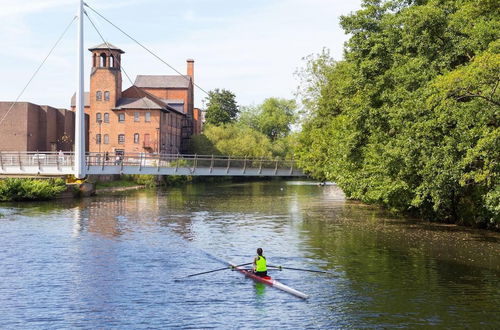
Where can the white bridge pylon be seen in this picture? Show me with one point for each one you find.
(54, 164)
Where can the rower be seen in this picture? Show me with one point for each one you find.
(259, 264)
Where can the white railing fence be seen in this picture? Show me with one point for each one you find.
(15, 162)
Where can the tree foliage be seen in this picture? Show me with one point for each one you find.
(221, 107)
(259, 131)
(233, 139)
(274, 117)
(409, 119)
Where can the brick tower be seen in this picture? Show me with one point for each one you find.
(105, 91)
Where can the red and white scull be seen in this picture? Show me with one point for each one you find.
(269, 281)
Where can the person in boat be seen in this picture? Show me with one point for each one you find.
(259, 264)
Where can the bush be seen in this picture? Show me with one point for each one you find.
(30, 189)
(147, 180)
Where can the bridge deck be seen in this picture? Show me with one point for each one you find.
(53, 163)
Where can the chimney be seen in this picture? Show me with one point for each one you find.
(190, 68)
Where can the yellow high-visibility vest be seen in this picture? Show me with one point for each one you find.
(260, 264)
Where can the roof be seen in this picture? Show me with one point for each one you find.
(141, 103)
(107, 46)
(152, 81)
(177, 104)
(145, 101)
(86, 98)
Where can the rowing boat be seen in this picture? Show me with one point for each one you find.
(269, 281)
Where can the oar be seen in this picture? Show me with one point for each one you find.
(219, 269)
(301, 269)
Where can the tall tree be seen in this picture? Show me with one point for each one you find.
(221, 107)
(409, 119)
(276, 117)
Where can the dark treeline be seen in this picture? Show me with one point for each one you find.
(409, 119)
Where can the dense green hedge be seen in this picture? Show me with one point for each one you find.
(30, 189)
(410, 118)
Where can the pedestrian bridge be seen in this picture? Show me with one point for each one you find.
(54, 164)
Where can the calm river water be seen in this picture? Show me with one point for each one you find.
(115, 262)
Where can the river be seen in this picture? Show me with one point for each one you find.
(117, 261)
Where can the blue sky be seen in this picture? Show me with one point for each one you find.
(252, 47)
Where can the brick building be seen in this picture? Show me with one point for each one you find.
(155, 115)
(32, 127)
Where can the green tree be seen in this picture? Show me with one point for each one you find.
(409, 119)
(221, 107)
(276, 117)
(234, 140)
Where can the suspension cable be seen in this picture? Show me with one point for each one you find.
(38, 69)
(144, 47)
(119, 62)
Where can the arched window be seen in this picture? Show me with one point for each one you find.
(121, 138)
(111, 61)
(121, 117)
(106, 96)
(98, 138)
(106, 138)
(98, 117)
(98, 96)
(136, 138)
(102, 60)
(106, 117)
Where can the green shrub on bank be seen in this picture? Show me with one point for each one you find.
(30, 189)
(149, 180)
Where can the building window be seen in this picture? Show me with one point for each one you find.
(98, 96)
(147, 117)
(111, 61)
(136, 116)
(121, 138)
(106, 138)
(98, 117)
(136, 138)
(106, 96)
(121, 117)
(106, 117)
(98, 138)
(102, 60)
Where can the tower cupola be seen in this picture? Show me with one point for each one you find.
(106, 56)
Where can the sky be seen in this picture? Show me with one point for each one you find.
(252, 48)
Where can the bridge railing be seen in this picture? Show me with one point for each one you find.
(35, 158)
(183, 160)
(41, 162)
